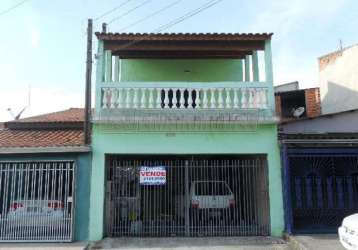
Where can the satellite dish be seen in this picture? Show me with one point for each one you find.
(298, 111)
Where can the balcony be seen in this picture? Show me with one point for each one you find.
(183, 96)
(125, 94)
(185, 101)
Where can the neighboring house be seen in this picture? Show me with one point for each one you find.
(185, 137)
(320, 171)
(293, 104)
(338, 80)
(287, 87)
(44, 178)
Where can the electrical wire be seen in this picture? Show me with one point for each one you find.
(111, 10)
(129, 11)
(177, 20)
(13, 7)
(187, 15)
(150, 15)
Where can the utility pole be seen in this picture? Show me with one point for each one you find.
(88, 108)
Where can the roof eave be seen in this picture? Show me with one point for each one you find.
(184, 36)
(35, 150)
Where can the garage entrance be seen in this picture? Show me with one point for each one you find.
(324, 190)
(187, 196)
(36, 201)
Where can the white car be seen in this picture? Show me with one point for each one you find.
(214, 198)
(35, 213)
(211, 194)
(348, 232)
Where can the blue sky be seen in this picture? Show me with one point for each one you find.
(42, 43)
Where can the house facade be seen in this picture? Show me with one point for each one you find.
(184, 137)
(338, 80)
(45, 171)
(320, 170)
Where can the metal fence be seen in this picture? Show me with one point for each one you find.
(324, 190)
(36, 201)
(188, 196)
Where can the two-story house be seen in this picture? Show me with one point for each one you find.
(185, 137)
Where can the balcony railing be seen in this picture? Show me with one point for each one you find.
(184, 96)
(168, 106)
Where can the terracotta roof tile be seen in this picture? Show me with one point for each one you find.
(69, 115)
(55, 129)
(40, 138)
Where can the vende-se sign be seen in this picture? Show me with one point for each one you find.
(152, 175)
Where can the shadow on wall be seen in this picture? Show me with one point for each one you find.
(339, 98)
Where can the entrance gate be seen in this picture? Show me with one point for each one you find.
(187, 196)
(36, 201)
(324, 190)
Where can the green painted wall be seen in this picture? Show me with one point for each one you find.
(200, 70)
(82, 195)
(107, 140)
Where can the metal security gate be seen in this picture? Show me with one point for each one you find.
(36, 201)
(187, 196)
(324, 190)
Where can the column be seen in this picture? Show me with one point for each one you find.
(108, 66)
(99, 77)
(247, 68)
(255, 66)
(269, 76)
(97, 196)
(116, 69)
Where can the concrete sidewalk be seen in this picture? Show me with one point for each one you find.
(213, 243)
(44, 246)
(315, 242)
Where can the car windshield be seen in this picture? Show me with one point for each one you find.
(211, 188)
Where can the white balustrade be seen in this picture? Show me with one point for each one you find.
(244, 103)
(136, 98)
(158, 102)
(236, 99)
(151, 102)
(166, 98)
(228, 98)
(181, 99)
(120, 98)
(205, 99)
(190, 99)
(195, 98)
(128, 98)
(143, 99)
(212, 99)
(174, 99)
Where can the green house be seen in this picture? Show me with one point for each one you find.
(185, 137)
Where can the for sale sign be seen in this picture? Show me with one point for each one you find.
(152, 175)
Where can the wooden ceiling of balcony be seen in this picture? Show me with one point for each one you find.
(183, 45)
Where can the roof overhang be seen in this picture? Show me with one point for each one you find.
(35, 150)
(320, 139)
(149, 45)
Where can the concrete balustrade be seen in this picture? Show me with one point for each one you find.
(183, 98)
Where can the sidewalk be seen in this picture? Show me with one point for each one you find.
(44, 246)
(214, 243)
(315, 242)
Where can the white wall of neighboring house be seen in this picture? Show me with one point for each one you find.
(338, 79)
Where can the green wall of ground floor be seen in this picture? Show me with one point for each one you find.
(109, 140)
(82, 185)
